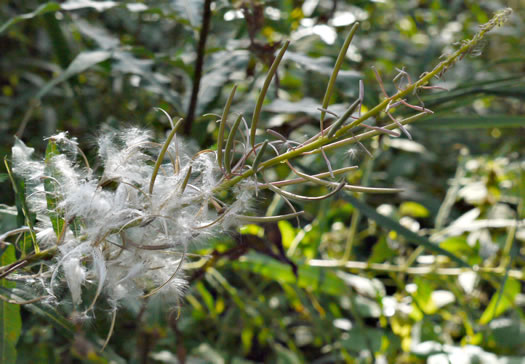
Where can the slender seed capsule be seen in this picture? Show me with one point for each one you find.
(222, 125)
(259, 155)
(229, 145)
(339, 122)
(186, 179)
(163, 153)
(262, 94)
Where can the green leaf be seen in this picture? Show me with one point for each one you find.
(40, 308)
(414, 209)
(207, 298)
(81, 4)
(128, 63)
(10, 320)
(286, 356)
(472, 122)
(390, 224)
(457, 245)
(51, 188)
(370, 287)
(501, 301)
(381, 252)
(322, 65)
(189, 9)
(42, 9)
(360, 339)
(214, 78)
(82, 62)
(316, 278)
(8, 218)
(508, 333)
(287, 233)
(24, 217)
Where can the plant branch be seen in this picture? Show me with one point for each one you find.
(498, 19)
(197, 75)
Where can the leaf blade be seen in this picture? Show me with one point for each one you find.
(392, 225)
(10, 319)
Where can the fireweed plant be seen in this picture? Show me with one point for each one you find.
(125, 232)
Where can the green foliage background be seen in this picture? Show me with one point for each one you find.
(364, 290)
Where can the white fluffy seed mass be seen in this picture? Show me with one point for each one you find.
(116, 239)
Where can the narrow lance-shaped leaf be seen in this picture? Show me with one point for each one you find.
(82, 62)
(40, 308)
(51, 188)
(317, 279)
(10, 320)
(501, 301)
(50, 7)
(388, 223)
(24, 215)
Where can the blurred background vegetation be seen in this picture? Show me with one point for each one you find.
(344, 286)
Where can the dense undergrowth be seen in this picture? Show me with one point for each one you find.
(355, 195)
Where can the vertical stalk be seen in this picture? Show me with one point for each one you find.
(356, 215)
(197, 75)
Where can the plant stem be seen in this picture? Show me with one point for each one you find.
(497, 20)
(36, 257)
(356, 214)
(197, 75)
(314, 145)
(392, 268)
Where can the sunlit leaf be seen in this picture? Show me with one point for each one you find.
(501, 301)
(413, 209)
(42, 9)
(81, 63)
(10, 320)
(315, 278)
(40, 308)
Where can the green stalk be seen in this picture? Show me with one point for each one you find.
(162, 154)
(259, 155)
(222, 126)
(339, 122)
(356, 214)
(309, 148)
(262, 94)
(229, 145)
(337, 67)
(498, 19)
